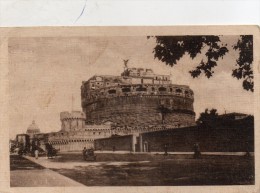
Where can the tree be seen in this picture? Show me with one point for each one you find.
(244, 62)
(207, 115)
(170, 49)
(208, 118)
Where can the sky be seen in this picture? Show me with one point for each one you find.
(46, 73)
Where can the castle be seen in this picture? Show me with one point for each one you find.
(136, 102)
(137, 98)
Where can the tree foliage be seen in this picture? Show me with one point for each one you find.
(170, 49)
(208, 117)
(244, 68)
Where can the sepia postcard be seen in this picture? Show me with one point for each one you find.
(130, 109)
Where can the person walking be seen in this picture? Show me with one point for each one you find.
(36, 153)
(84, 153)
(247, 150)
(165, 149)
(196, 149)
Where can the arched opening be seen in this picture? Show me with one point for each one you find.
(178, 90)
(126, 89)
(162, 89)
(112, 91)
(140, 89)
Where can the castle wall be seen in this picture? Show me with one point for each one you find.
(141, 110)
(122, 143)
(235, 136)
(76, 140)
(138, 97)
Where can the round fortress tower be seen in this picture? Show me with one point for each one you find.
(138, 97)
(72, 121)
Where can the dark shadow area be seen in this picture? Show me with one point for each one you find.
(128, 157)
(20, 163)
(170, 171)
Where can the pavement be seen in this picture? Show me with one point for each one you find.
(35, 176)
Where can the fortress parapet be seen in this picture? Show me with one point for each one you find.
(72, 115)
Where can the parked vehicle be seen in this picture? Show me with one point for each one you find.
(89, 155)
(51, 151)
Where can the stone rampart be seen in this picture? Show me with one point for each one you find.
(142, 110)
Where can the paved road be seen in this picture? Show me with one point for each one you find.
(26, 173)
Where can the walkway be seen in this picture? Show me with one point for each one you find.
(27, 174)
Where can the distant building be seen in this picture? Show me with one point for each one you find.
(233, 116)
(33, 129)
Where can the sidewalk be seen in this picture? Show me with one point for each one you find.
(39, 178)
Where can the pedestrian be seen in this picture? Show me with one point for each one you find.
(84, 152)
(247, 150)
(36, 153)
(197, 153)
(165, 149)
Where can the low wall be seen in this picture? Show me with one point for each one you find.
(237, 136)
(123, 143)
(234, 136)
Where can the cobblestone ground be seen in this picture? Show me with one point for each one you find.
(153, 170)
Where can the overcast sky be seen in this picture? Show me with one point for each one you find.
(46, 72)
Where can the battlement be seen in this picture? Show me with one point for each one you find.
(72, 115)
(128, 77)
(135, 72)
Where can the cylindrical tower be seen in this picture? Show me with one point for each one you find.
(137, 98)
(72, 121)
